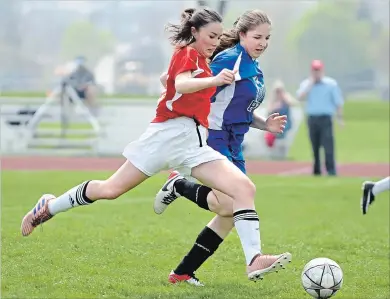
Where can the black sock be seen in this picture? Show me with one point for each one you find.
(205, 245)
(195, 192)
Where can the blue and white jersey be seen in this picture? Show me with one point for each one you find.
(235, 103)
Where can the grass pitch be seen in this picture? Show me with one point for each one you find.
(122, 249)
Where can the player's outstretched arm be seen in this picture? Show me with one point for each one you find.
(186, 83)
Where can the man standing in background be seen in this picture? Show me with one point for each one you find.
(81, 78)
(323, 100)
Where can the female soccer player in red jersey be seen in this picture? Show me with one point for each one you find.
(176, 138)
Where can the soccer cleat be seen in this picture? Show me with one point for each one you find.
(367, 197)
(38, 215)
(264, 264)
(174, 278)
(167, 193)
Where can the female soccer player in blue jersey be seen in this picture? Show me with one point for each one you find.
(231, 115)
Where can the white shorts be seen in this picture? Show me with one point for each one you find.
(173, 144)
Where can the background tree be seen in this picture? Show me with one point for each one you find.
(83, 38)
(331, 32)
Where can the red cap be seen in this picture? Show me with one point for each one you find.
(317, 65)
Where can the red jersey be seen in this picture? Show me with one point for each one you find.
(194, 105)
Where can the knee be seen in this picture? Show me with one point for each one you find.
(223, 208)
(245, 189)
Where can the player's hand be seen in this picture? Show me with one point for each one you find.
(276, 123)
(224, 77)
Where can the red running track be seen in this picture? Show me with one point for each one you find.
(254, 167)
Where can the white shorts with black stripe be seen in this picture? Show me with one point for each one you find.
(178, 144)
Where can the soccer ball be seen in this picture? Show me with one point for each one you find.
(322, 278)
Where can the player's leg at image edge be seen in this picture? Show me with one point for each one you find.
(370, 190)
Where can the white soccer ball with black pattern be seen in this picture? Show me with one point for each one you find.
(322, 278)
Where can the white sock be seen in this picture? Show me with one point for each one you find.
(381, 186)
(248, 229)
(73, 198)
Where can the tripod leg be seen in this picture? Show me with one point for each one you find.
(75, 98)
(64, 112)
(33, 122)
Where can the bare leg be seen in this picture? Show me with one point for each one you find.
(233, 189)
(222, 226)
(240, 188)
(233, 183)
(220, 203)
(124, 179)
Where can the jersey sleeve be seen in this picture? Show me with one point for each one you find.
(186, 60)
(216, 66)
(220, 62)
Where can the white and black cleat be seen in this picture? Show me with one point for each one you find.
(367, 197)
(167, 193)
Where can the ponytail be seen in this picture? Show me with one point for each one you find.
(191, 18)
(187, 14)
(228, 40)
(181, 34)
(235, 23)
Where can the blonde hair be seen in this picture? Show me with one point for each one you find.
(246, 22)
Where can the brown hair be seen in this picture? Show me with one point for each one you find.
(246, 22)
(197, 18)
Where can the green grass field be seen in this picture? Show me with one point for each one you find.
(122, 249)
(365, 137)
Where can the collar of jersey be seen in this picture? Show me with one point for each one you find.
(245, 53)
(247, 57)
